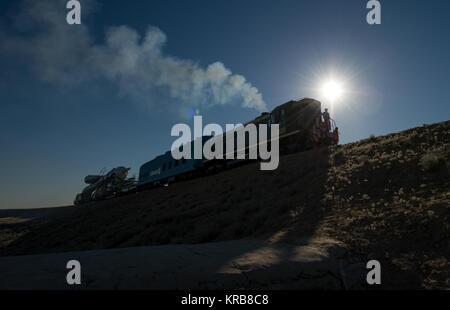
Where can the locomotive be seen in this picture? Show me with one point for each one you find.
(301, 127)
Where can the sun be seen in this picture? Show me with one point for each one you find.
(332, 90)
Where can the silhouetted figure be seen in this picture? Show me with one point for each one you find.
(327, 118)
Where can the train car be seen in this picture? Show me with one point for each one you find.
(164, 169)
(100, 187)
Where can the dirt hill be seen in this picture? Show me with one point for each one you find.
(385, 198)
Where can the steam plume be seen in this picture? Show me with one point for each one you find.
(66, 54)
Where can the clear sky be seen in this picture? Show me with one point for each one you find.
(76, 99)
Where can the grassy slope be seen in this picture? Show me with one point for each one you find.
(386, 198)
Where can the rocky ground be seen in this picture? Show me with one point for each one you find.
(237, 264)
(384, 198)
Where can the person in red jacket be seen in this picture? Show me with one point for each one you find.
(336, 136)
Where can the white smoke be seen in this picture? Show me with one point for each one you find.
(66, 54)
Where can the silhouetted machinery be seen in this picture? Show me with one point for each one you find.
(110, 185)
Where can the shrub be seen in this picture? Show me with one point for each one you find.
(432, 161)
(405, 141)
(338, 157)
(363, 159)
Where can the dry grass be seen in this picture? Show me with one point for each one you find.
(433, 161)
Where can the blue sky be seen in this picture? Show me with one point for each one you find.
(64, 115)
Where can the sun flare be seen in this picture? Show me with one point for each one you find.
(332, 90)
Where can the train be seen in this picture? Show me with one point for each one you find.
(301, 127)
